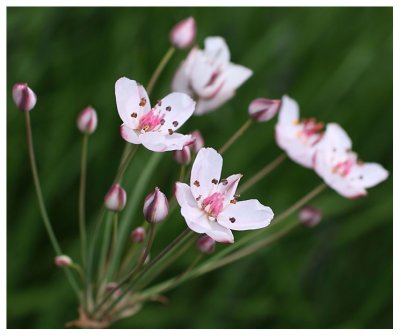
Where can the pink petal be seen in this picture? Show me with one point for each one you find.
(129, 97)
(246, 215)
(205, 171)
(229, 186)
(130, 135)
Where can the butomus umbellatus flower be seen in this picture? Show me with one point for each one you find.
(208, 75)
(340, 167)
(297, 137)
(155, 127)
(209, 205)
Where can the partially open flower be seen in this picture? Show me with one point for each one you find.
(138, 235)
(340, 167)
(262, 109)
(87, 120)
(209, 205)
(62, 261)
(198, 141)
(115, 199)
(155, 128)
(24, 97)
(156, 207)
(208, 75)
(183, 156)
(297, 137)
(310, 216)
(183, 33)
(206, 244)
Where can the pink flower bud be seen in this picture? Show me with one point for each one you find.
(310, 216)
(87, 120)
(198, 141)
(206, 244)
(62, 261)
(155, 207)
(183, 33)
(115, 199)
(182, 156)
(138, 235)
(24, 97)
(262, 109)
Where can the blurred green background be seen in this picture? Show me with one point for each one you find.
(337, 62)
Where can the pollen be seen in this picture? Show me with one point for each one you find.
(224, 182)
(168, 108)
(175, 123)
(142, 102)
(134, 115)
(146, 128)
(233, 201)
(198, 198)
(232, 219)
(162, 121)
(159, 102)
(295, 122)
(170, 131)
(196, 183)
(215, 181)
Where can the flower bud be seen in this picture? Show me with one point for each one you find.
(205, 244)
(182, 156)
(24, 97)
(155, 207)
(87, 120)
(115, 198)
(138, 235)
(62, 261)
(262, 109)
(183, 33)
(310, 216)
(198, 141)
(110, 287)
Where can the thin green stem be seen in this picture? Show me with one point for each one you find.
(262, 173)
(182, 173)
(104, 247)
(128, 154)
(42, 207)
(164, 61)
(235, 136)
(82, 190)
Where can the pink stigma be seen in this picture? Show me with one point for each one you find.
(213, 204)
(150, 121)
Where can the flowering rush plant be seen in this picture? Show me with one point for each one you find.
(119, 271)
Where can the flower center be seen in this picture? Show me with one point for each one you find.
(213, 204)
(343, 168)
(151, 121)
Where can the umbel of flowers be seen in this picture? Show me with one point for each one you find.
(118, 265)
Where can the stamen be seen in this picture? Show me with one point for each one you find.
(175, 123)
(233, 201)
(162, 122)
(232, 219)
(142, 102)
(236, 195)
(134, 115)
(215, 181)
(224, 182)
(170, 131)
(198, 198)
(168, 108)
(159, 102)
(196, 183)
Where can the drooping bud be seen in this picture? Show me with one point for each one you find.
(183, 33)
(205, 244)
(115, 199)
(155, 207)
(87, 120)
(138, 235)
(24, 97)
(310, 216)
(198, 141)
(63, 261)
(182, 156)
(262, 109)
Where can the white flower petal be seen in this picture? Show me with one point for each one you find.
(246, 215)
(129, 95)
(181, 80)
(206, 168)
(160, 142)
(228, 188)
(369, 174)
(219, 233)
(289, 111)
(207, 105)
(336, 139)
(216, 49)
(234, 76)
(130, 135)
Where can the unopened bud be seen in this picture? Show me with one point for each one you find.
(115, 199)
(183, 33)
(182, 156)
(206, 244)
(198, 141)
(87, 120)
(310, 216)
(155, 207)
(24, 97)
(262, 109)
(62, 261)
(138, 235)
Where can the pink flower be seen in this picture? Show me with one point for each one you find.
(262, 109)
(24, 97)
(153, 127)
(339, 167)
(209, 76)
(115, 199)
(87, 120)
(183, 33)
(209, 205)
(297, 138)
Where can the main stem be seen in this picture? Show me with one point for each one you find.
(42, 207)
(235, 136)
(82, 190)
